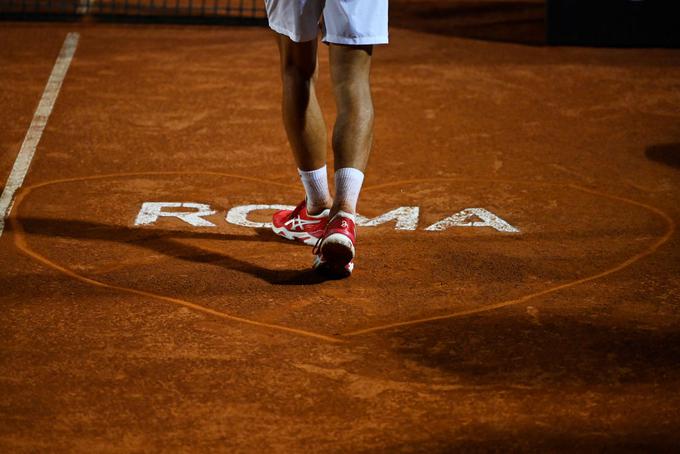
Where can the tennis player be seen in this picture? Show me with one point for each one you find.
(350, 28)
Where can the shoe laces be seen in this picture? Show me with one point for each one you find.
(298, 209)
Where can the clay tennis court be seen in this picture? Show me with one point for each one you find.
(517, 282)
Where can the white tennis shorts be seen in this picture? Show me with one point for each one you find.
(344, 21)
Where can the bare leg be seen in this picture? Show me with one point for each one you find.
(353, 130)
(302, 117)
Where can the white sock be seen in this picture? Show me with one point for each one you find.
(348, 183)
(316, 188)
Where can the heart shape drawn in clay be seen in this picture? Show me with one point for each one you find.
(568, 236)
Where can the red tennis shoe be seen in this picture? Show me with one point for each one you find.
(298, 225)
(334, 253)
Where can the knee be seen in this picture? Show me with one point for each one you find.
(293, 72)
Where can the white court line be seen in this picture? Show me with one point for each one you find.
(35, 130)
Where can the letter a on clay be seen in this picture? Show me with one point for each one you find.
(462, 219)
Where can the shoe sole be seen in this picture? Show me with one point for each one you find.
(338, 252)
(331, 271)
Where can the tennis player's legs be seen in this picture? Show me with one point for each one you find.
(350, 29)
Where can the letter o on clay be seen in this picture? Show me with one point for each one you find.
(238, 215)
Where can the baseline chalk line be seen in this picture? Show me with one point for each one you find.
(35, 130)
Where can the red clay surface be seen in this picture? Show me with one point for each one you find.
(173, 337)
(24, 68)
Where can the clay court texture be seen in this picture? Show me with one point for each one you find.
(517, 281)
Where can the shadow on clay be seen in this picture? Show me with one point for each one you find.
(666, 153)
(537, 350)
(554, 361)
(162, 242)
(519, 22)
(530, 437)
